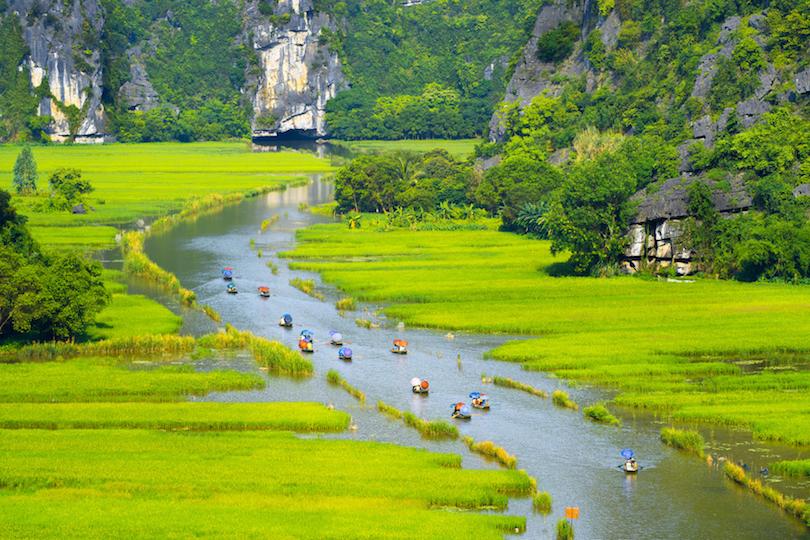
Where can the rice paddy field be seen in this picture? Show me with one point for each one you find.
(139, 181)
(695, 351)
(459, 148)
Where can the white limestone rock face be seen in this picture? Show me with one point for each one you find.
(63, 38)
(298, 74)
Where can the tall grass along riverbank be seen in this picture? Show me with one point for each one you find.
(430, 429)
(87, 485)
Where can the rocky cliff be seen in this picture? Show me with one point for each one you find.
(298, 74)
(63, 41)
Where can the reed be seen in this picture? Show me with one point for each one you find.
(280, 359)
(364, 323)
(794, 506)
(565, 531)
(433, 429)
(334, 378)
(492, 451)
(600, 414)
(149, 345)
(273, 267)
(541, 502)
(306, 286)
(517, 385)
(266, 223)
(388, 410)
(212, 313)
(346, 304)
(799, 468)
(687, 440)
(561, 399)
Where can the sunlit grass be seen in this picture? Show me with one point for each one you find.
(491, 451)
(601, 415)
(517, 385)
(129, 315)
(335, 378)
(236, 484)
(688, 440)
(797, 507)
(799, 468)
(561, 398)
(665, 346)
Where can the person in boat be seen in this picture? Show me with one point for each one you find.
(479, 400)
(631, 465)
(400, 347)
(420, 386)
(305, 341)
(227, 273)
(286, 320)
(345, 353)
(460, 410)
(264, 292)
(336, 338)
(232, 288)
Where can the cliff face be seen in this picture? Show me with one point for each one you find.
(298, 74)
(63, 40)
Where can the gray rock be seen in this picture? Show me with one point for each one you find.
(298, 75)
(74, 76)
(802, 81)
(671, 200)
(758, 21)
(750, 111)
(610, 30)
(137, 93)
(79, 209)
(802, 190)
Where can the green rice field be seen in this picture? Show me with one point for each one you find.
(146, 484)
(134, 181)
(698, 351)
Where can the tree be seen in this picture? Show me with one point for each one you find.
(13, 232)
(25, 172)
(67, 188)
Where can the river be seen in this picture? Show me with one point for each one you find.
(674, 496)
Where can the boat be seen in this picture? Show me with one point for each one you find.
(285, 321)
(345, 353)
(305, 341)
(479, 400)
(227, 273)
(264, 292)
(400, 347)
(231, 288)
(335, 338)
(461, 411)
(630, 465)
(420, 386)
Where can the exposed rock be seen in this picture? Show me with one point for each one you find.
(486, 164)
(62, 38)
(802, 191)
(298, 75)
(79, 209)
(750, 110)
(758, 22)
(671, 200)
(138, 94)
(802, 81)
(610, 30)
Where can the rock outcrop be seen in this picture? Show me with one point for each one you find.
(138, 94)
(658, 237)
(298, 74)
(63, 41)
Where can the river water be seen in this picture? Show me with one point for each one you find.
(675, 495)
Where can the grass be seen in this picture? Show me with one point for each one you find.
(274, 356)
(434, 429)
(459, 148)
(600, 414)
(667, 347)
(491, 451)
(153, 346)
(273, 267)
(134, 181)
(102, 379)
(565, 531)
(799, 468)
(130, 315)
(541, 502)
(334, 377)
(560, 398)
(687, 440)
(143, 484)
(137, 263)
(306, 286)
(796, 507)
(346, 304)
(266, 223)
(198, 416)
(517, 385)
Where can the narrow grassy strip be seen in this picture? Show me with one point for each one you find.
(100, 379)
(196, 416)
(306, 286)
(137, 483)
(334, 377)
(796, 507)
(687, 440)
(151, 346)
(492, 451)
(212, 313)
(276, 357)
(560, 398)
(137, 263)
(517, 385)
(799, 468)
(388, 410)
(267, 223)
(435, 429)
(346, 304)
(541, 502)
(601, 415)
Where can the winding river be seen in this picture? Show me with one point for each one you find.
(674, 496)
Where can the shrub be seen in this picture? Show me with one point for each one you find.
(690, 441)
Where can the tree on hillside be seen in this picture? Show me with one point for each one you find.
(25, 172)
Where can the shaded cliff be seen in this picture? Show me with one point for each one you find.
(297, 74)
(63, 42)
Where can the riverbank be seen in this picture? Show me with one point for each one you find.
(691, 351)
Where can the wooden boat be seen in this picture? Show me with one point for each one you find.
(306, 345)
(264, 292)
(630, 466)
(479, 401)
(227, 273)
(335, 338)
(286, 321)
(400, 347)
(231, 288)
(345, 353)
(420, 386)
(461, 411)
